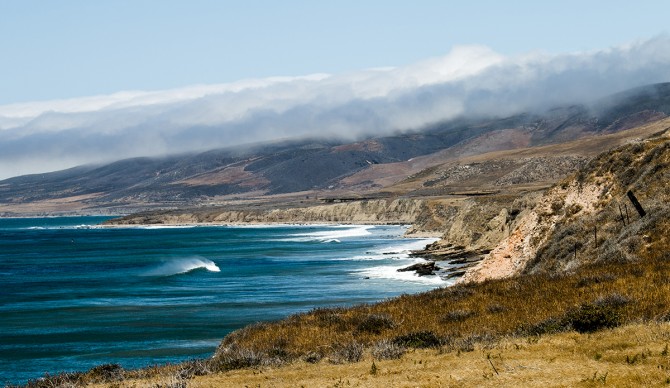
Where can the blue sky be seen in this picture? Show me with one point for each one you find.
(74, 48)
(92, 81)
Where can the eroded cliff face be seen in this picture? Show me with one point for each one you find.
(381, 211)
(474, 223)
(531, 229)
(589, 217)
(474, 227)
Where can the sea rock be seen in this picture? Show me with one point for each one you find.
(421, 269)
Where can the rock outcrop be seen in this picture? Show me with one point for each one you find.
(588, 217)
(421, 269)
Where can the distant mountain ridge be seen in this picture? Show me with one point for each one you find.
(299, 166)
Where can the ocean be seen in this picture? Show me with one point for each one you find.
(74, 295)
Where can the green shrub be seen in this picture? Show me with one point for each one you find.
(421, 339)
(550, 325)
(496, 309)
(237, 358)
(457, 316)
(592, 317)
(375, 323)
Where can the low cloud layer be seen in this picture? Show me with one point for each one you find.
(470, 80)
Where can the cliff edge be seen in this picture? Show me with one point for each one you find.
(615, 208)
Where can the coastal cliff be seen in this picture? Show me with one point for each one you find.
(423, 214)
(591, 216)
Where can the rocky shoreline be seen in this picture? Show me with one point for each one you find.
(457, 260)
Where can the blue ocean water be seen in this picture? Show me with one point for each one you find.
(74, 295)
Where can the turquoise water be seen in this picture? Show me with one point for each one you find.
(74, 295)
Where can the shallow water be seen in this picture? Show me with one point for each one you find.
(73, 295)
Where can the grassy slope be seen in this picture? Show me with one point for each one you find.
(634, 355)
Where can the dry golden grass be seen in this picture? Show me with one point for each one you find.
(629, 356)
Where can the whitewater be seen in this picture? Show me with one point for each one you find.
(74, 295)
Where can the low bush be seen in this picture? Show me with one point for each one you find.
(350, 352)
(421, 339)
(593, 317)
(613, 300)
(235, 357)
(106, 373)
(496, 309)
(550, 325)
(64, 379)
(313, 357)
(457, 315)
(387, 350)
(192, 368)
(595, 279)
(375, 323)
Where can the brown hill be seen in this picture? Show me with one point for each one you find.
(376, 166)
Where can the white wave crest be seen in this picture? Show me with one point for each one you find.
(391, 252)
(184, 226)
(56, 227)
(184, 265)
(407, 247)
(332, 235)
(391, 273)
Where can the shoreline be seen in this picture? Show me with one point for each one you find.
(415, 234)
(106, 224)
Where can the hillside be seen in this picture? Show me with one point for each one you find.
(590, 217)
(375, 166)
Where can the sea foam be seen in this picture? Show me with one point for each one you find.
(183, 265)
(391, 273)
(332, 235)
(392, 252)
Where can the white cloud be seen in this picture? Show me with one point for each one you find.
(49, 135)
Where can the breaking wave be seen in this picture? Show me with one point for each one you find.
(184, 226)
(180, 266)
(332, 235)
(391, 273)
(405, 248)
(393, 252)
